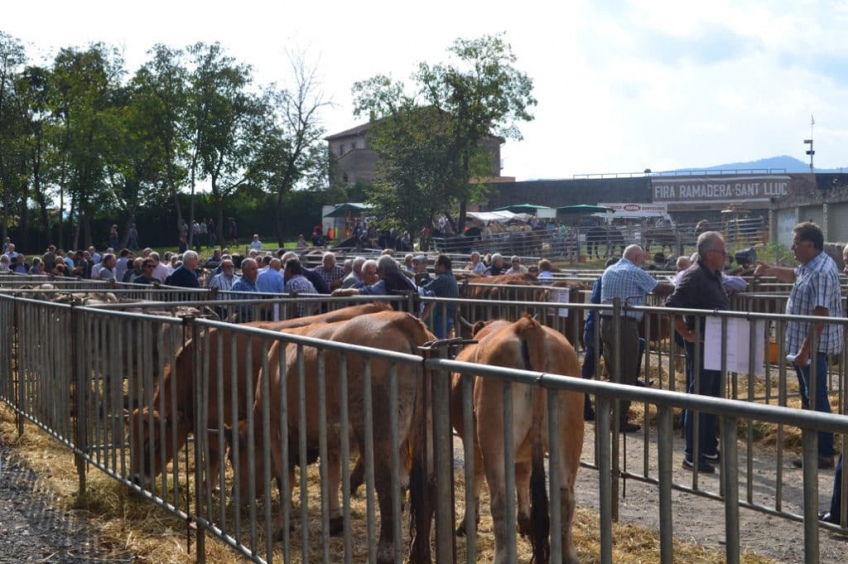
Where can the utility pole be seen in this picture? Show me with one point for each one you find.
(809, 142)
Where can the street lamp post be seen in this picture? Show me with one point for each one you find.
(809, 142)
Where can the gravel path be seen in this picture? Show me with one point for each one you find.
(33, 530)
(700, 520)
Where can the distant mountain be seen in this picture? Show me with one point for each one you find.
(773, 164)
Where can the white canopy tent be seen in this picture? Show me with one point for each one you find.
(498, 216)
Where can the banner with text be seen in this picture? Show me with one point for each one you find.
(720, 189)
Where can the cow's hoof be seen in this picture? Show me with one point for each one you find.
(525, 526)
(460, 530)
(336, 526)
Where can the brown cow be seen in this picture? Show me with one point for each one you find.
(177, 410)
(524, 344)
(393, 331)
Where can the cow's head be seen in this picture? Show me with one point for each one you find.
(238, 454)
(151, 440)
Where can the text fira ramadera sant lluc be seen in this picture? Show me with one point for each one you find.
(720, 190)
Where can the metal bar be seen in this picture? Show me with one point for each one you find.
(730, 489)
(555, 470)
(443, 465)
(471, 500)
(605, 482)
(509, 473)
(394, 462)
(665, 453)
(368, 453)
(323, 467)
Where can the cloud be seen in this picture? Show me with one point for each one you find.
(710, 46)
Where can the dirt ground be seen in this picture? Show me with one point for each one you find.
(32, 529)
(700, 520)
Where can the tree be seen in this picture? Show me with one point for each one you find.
(289, 151)
(220, 110)
(482, 95)
(161, 94)
(83, 85)
(12, 56)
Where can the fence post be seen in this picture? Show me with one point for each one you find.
(78, 372)
(443, 463)
(200, 440)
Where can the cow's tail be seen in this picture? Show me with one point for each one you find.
(532, 352)
(421, 488)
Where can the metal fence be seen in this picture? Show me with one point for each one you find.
(74, 370)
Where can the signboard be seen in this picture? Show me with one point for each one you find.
(637, 210)
(722, 189)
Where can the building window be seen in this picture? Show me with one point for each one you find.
(341, 149)
(353, 146)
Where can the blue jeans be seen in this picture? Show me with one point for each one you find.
(836, 498)
(709, 384)
(822, 401)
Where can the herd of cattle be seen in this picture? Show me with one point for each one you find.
(523, 344)
(159, 426)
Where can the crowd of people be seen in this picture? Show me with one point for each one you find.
(702, 283)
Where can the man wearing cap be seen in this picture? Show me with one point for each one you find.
(419, 270)
(444, 286)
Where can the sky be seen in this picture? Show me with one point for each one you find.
(622, 85)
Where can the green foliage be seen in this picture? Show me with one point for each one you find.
(432, 148)
(778, 254)
(77, 133)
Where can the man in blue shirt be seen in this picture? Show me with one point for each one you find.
(628, 283)
(815, 292)
(297, 283)
(244, 286)
(444, 286)
(185, 275)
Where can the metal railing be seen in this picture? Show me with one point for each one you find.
(73, 370)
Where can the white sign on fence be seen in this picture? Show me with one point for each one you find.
(738, 345)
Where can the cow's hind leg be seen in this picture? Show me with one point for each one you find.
(522, 486)
(462, 528)
(334, 469)
(497, 492)
(383, 485)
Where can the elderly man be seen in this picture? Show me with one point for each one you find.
(185, 275)
(355, 277)
(107, 267)
(244, 286)
(700, 287)
(223, 282)
(497, 267)
(391, 282)
(270, 280)
(332, 273)
(296, 283)
(308, 273)
(815, 292)
(627, 282)
(517, 267)
(160, 271)
(476, 265)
